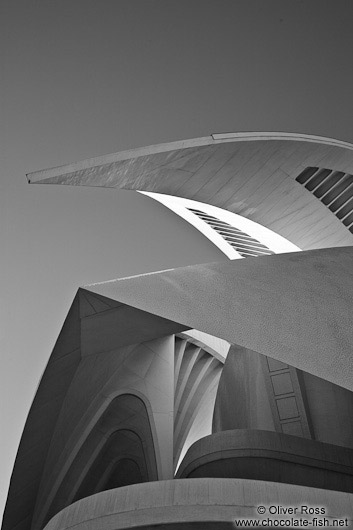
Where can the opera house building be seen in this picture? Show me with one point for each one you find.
(210, 396)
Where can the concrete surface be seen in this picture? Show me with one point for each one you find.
(296, 308)
(194, 501)
(251, 174)
(265, 455)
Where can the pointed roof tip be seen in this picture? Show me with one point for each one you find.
(155, 149)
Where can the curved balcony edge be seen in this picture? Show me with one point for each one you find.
(266, 455)
(210, 502)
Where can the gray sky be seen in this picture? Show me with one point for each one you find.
(83, 78)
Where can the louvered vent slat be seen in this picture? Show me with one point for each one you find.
(317, 179)
(342, 199)
(347, 208)
(337, 190)
(348, 220)
(244, 244)
(327, 185)
(239, 235)
(332, 188)
(306, 174)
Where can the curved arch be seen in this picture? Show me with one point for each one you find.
(127, 466)
(123, 444)
(92, 444)
(122, 371)
(101, 486)
(104, 406)
(236, 236)
(215, 346)
(197, 373)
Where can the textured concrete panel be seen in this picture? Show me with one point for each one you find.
(296, 307)
(282, 384)
(191, 501)
(287, 408)
(243, 401)
(331, 411)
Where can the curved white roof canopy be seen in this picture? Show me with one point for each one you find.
(249, 174)
(252, 235)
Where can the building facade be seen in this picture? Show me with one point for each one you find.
(189, 398)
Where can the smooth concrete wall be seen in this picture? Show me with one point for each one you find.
(257, 392)
(242, 400)
(331, 410)
(195, 502)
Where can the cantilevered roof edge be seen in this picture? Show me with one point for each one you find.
(216, 138)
